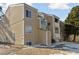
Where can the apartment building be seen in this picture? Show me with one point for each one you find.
(28, 25)
(24, 25)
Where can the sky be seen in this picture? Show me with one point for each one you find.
(59, 9)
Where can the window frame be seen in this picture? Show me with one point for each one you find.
(56, 20)
(28, 29)
(28, 13)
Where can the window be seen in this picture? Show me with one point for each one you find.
(43, 24)
(28, 29)
(56, 20)
(48, 24)
(56, 30)
(28, 43)
(28, 14)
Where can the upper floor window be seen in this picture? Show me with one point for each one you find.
(56, 30)
(28, 13)
(56, 20)
(43, 24)
(28, 29)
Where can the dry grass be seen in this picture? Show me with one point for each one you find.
(37, 51)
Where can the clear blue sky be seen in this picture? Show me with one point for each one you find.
(60, 10)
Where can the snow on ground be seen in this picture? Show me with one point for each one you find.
(68, 46)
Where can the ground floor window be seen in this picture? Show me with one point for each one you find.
(28, 43)
(28, 29)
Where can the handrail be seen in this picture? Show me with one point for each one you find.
(3, 22)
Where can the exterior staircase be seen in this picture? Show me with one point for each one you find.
(6, 35)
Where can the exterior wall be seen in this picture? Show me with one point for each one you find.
(62, 32)
(33, 21)
(44, 37)
(56, 36)
(48, 38)
(50, 26)
(15, 15)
